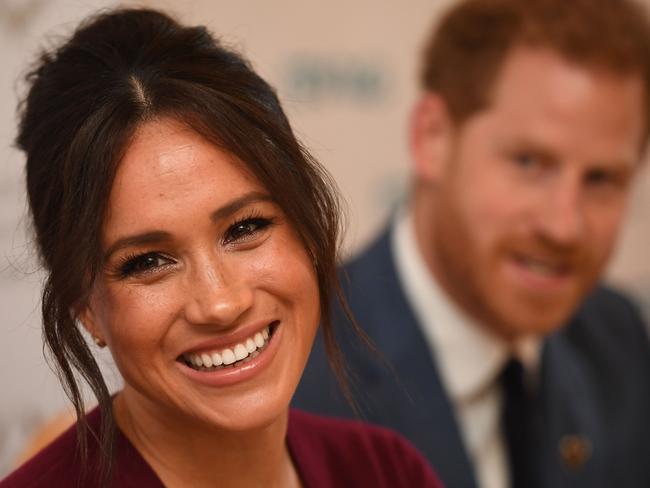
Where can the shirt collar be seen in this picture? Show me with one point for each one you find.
(469, 357)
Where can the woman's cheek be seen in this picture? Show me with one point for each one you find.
(286, 267)
(143, 313)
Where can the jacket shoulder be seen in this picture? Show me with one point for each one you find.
(608, 316)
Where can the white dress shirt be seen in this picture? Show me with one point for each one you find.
(469, 358)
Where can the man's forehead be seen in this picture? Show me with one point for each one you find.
(533, 69)
(541, 94)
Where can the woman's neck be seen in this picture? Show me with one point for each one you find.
(185, 453)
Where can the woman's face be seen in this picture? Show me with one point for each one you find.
(208, 300)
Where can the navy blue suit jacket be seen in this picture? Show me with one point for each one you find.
(595, 383)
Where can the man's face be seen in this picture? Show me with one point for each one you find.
(529, 201)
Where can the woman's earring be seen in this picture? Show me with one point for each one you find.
(99, 342)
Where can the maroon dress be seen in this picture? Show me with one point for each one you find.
(327, 453)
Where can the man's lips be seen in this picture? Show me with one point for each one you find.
(544, 266)
(542, 274)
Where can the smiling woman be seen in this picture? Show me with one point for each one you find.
(184, 227)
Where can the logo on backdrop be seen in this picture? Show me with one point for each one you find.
(318, 79)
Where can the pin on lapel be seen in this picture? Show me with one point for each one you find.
(575, 450)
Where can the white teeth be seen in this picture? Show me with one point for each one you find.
(250, 348)
(216, 359)
(540, 268)
(240, 352)
(207, 360)
(228, 356)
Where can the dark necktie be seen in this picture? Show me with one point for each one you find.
(517, 423)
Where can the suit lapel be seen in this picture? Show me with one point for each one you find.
(571, 426)
(414, 403)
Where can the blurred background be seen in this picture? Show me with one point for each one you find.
(347, 75)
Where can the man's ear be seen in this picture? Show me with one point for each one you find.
(431, 134)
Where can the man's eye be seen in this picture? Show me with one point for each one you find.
(246, 229)
(602, 177)
(144, 263)
(526, 160)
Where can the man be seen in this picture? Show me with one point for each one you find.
(512, 366)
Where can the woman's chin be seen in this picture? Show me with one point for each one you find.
(238, 415)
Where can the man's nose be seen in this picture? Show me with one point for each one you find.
(562, 220)
(216, 296)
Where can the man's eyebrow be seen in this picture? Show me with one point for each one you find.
(158, 236)
(617, 164)
(528, 145)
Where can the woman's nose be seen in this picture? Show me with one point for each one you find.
(216, 297)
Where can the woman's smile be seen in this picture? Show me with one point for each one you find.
(211, 357)
(230, 360)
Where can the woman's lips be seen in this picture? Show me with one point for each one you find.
(222, 357)
(239, 362)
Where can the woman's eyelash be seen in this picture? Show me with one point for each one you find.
(246, 228)
(139, 264)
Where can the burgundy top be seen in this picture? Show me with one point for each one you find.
(327, 453)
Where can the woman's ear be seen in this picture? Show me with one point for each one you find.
(86, 318)
(430, 137)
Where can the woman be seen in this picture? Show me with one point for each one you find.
(183, 226)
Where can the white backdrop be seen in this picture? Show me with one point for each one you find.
(346, 72)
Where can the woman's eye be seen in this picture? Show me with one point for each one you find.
(145, 263)
(245, 229)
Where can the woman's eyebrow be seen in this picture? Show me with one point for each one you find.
(157, 236)
(152, 237)
(238, 203)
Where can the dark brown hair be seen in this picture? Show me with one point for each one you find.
(464, 55)
(85, 100)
